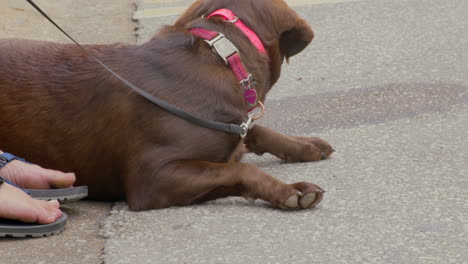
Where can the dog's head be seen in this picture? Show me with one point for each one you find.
(279, 27)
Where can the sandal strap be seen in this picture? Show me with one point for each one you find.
(6, 158)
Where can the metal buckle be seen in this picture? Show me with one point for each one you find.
(223, 47)
(247, 125)
(3, 161)
(234, 20)
(230, 21)
(248, 82)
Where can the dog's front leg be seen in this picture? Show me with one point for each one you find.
(289, 148)
(187, 182)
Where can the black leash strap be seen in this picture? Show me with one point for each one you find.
(231, 128)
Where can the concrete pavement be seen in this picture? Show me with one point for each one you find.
(90, 22)
(386, 83)
(391, 198)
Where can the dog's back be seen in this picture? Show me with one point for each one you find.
(49, 94)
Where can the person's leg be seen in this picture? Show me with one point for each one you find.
(17, 205)
(32, 176)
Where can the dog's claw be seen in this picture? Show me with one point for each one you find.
(324, 156)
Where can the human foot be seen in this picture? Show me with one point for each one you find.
(32, 176)
(17, 205)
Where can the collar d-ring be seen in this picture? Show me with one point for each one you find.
(261, 113)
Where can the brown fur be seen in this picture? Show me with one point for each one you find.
(60, 109)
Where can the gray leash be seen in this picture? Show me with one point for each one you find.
(241, 129)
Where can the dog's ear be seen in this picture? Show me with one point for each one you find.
(295, 38)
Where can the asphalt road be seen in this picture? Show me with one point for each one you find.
(386, 83)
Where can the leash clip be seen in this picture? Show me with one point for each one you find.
(247, 125)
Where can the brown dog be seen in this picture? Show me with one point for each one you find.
(60, 109)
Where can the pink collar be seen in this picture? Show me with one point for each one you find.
(230, 54)
(231, 17)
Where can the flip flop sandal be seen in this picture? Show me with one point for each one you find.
(13, 228)
(64, 195)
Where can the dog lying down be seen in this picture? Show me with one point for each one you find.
(61, 109)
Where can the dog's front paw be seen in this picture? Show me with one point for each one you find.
(307, 195)
(304, 149)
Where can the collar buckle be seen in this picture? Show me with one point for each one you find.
(223, 47)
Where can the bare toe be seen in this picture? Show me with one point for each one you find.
(32, 176)
(58, 179)
(17, 205)
(49, 213)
